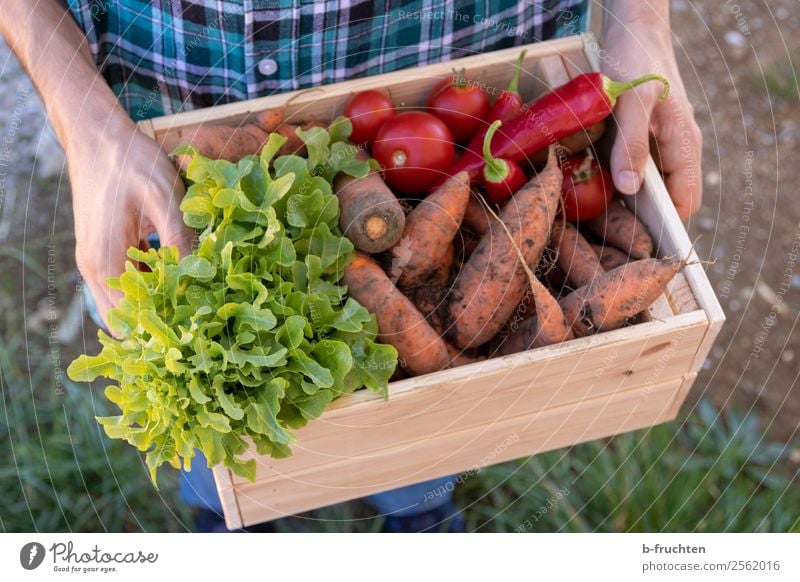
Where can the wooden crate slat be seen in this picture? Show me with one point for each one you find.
(459, 404)
(461, 451)
(223, 479)
(681, 393)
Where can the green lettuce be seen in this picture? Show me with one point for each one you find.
(250, 335)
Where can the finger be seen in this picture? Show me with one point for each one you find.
(97, 265)
(168, 220)
(631, 144)
(680, 151)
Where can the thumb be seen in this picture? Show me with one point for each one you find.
(169, 225)
(632, 142)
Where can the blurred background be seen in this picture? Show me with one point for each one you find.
(729, 464)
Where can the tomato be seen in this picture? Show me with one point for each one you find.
(367, 111)
(461, 105)
(414, 149)
(587, 188)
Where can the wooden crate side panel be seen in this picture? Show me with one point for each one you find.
(411, 418)
(653, 204)
(227, 497)
(681, 394)
(458, 452)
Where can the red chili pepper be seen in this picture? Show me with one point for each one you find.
(501, 178)
(572, 107)
(510, 102)
(507, 106)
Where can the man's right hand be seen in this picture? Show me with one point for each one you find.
(124, 187)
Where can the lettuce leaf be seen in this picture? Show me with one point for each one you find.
(251, 335)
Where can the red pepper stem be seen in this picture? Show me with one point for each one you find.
(495, 170)
(513, 86)
(614, 89)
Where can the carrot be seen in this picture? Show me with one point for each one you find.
(429, 231)
(476, 217)
(370, 214)
(574, 254)
(549, 326)
(610, 300)
(493, 281)
(427, 300)
(440, 273)
(270, 119)
(294, 145)
(610, 257)
(429, 296)
(619, 226)
(221, 142)
(466, 242)
(419, 347)
(461, 358)
(233, 142)
(574, 143)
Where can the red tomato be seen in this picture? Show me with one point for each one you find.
(367, 111)
(414, 149)
(587, 188)
(461, 105)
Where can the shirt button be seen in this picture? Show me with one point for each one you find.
(267, 67)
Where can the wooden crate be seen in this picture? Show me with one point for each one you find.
(504, 408)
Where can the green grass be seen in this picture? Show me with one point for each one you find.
(62, 474)
(710, 474)
(779, 78)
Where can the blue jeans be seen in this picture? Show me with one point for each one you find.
(197, 488)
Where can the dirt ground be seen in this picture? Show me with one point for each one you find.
(736, 60)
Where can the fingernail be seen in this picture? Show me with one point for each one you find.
(628, 182)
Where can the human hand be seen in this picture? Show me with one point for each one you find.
(632, 49)
(124, 187)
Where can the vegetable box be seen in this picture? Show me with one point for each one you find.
(460, 420)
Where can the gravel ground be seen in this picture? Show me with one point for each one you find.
(736, 59)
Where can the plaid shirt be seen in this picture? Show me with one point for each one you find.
(165, 56)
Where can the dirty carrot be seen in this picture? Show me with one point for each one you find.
(429, 231)
(619, 226)
(572, 107)
(428, 297)
(419, 347)
(574, 254)
(370, 214)
(221, 142)
(610, 257)
(476, 217)
(461, 358)
(294, 144)
(547, 327)
(613, 298)
(493, 281)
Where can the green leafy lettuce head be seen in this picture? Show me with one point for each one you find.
(250, 336)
